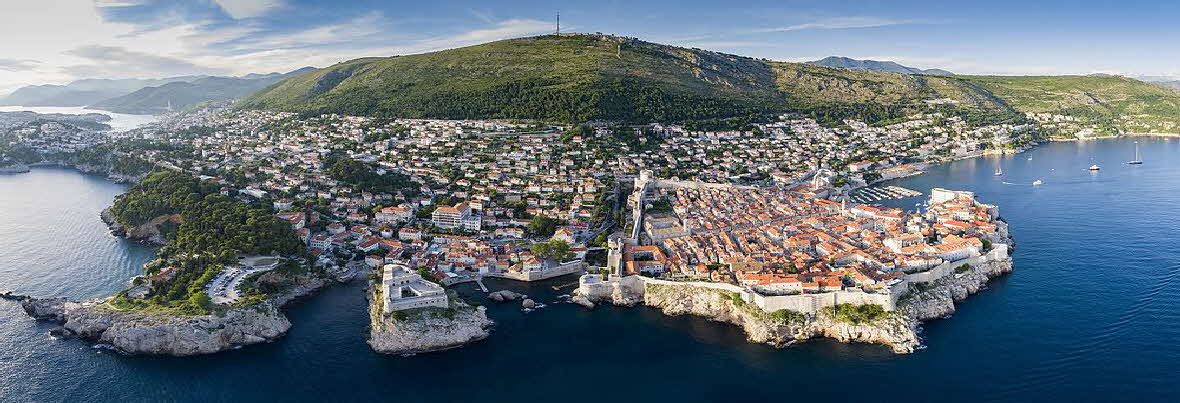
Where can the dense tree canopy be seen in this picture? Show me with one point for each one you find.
(210, 223)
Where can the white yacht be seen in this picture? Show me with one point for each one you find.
(1038, 182)
(1095, 167)
(1136, 161)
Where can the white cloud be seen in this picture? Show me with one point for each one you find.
(105, 61)
(289, 58)
(18, 64)
(841, 23)
(504, 29)
(358, 29)
(82, 42)
(240, 9)
(117, 3)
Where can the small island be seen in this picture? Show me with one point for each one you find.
(409, 314)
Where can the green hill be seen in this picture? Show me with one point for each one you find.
(580, 77)
(1113, 101)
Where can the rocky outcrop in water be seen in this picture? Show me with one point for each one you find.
(425, 330)
(134, 332)
(583, 301)
(163, 333)
(504, 296)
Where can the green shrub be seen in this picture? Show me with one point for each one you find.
(856, 314)
(963, 268)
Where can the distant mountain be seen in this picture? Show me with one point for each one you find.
(1167, 81)
(180, 95)
(135, 95)
(82, 92)
(874, 65)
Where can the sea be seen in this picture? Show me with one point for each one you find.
(118, 122)
(1089, 314)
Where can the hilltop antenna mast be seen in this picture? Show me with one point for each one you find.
(559, 23)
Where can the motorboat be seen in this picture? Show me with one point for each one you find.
(1038, 182)
(1095, 167)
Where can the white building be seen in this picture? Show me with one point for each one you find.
(405, 289)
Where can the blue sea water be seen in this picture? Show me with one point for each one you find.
(1090, 314)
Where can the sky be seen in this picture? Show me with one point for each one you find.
(58, 41)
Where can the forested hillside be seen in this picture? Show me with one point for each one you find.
(583, 77)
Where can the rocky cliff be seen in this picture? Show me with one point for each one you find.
(937, 299)
(14, 169)
(107, 171)
(134, 332)
(897, 329)
(147, 233)
(893, 330)
(425, 330)
(162, 333)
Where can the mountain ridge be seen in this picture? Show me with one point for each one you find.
(181, 94)
(573, 77)
(120, 95)
(875, 65)
(586, 77)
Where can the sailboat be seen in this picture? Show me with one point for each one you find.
(999, 171)
(1136, 161)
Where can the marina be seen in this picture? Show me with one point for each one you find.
(877, 193)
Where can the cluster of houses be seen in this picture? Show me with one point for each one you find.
(793, 147)
(776, 242)
(457, 196)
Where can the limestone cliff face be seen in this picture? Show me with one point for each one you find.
(148, 232)
(133, 332)
(894, 331)
(898, 330)
(937, 299)
(420, 331)
(107, 171)
(140, 332)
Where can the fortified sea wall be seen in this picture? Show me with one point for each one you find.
(631, 288)
(563, 269)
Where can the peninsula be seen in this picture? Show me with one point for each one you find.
(787, 268)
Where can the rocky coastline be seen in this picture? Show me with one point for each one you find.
(14, 169)
(147, 233)
(425, 330)
(105, 171)
(136, 332)
(898, 330)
